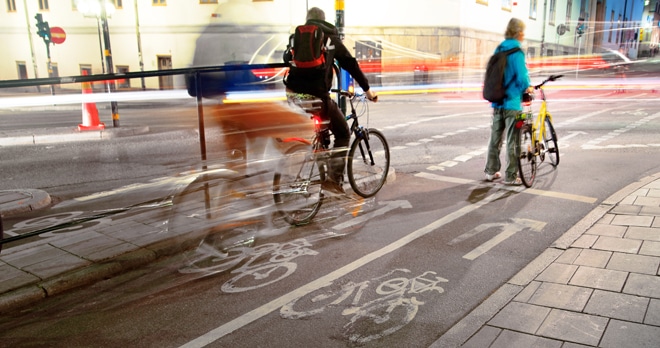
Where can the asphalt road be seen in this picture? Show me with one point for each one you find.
(432, 245)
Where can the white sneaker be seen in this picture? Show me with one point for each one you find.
(491, 177)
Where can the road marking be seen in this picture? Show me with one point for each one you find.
(388, 205)
(508, 230)
(457, 160)
(275, 304)
(572, 135)
(522, 189)
(444, 178)
(594, 144)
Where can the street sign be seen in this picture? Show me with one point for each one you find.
(57, 35)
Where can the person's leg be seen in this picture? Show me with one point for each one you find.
(511, 144)
(497, 127)
(341, 132)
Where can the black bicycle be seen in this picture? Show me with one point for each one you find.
(297, 182)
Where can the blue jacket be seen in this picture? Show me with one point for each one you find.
(516, 77)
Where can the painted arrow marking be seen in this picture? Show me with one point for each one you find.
(508, 230)
(573, 134)
(388, 206)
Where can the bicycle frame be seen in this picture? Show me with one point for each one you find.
(538, 123)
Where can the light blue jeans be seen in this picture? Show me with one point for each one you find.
(503, 120)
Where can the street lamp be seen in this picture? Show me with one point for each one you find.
(94, 8)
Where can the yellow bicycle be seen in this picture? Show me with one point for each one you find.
(537, 136)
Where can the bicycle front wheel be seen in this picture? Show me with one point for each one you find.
(526, 156)
(297, 185)
(368, 163)
(550, 143)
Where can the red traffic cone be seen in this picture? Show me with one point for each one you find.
(90, 114)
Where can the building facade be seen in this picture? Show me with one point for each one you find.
(393, 35)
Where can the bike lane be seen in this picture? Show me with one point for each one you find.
(391, 253)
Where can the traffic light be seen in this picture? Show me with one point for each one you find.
(43, 29)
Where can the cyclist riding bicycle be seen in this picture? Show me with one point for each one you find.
(306, 83)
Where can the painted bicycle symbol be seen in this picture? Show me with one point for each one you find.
(264, 264)
(393, 306)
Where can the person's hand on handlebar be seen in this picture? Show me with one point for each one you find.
(371, 95)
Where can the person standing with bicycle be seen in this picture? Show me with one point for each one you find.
(516, 82)
(318, 82)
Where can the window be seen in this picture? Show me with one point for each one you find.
(533, 6)
(208, 1)
(22, 70)
(85, 69)
(569, 9)
(159, 2)
(553, 12)
(11, 5)
(618, 26)
(506, 5)
(43, 5)
(483, 2)
(609, 37)
(118, 3)
(123, 83)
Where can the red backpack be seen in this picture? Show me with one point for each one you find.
(308, 47)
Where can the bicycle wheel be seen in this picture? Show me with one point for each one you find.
(526, 156)
(368, 163)
(550, 143)
(297, 185)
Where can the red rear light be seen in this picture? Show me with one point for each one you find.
(519, 124)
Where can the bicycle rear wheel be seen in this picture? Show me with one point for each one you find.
(297, 185)
(526, 156)
(550, 143)
(368, 163)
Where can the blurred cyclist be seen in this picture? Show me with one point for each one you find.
(302, 83)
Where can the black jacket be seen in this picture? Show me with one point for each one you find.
(318, 83)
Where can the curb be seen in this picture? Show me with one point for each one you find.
(87, 275)
(63, 135)
(14, 202)
(464, 329)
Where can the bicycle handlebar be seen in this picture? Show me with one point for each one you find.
(351, 94)
(551, 78)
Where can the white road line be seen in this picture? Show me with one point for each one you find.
(273, 305)
(522, 189)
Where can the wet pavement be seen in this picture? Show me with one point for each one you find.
(597, 285)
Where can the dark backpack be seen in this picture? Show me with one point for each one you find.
(308, 47)
(494, 88)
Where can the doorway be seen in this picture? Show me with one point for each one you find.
(165, 63)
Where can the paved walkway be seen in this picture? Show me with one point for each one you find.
(596, 286)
